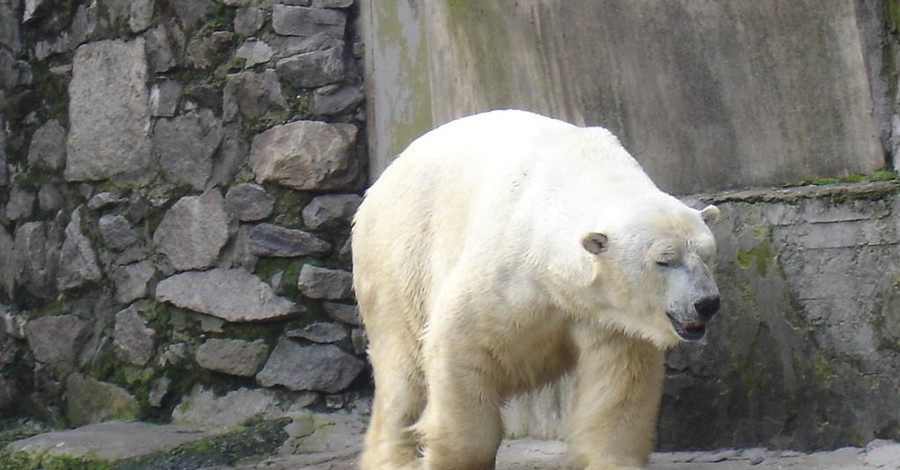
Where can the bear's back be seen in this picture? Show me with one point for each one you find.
(486, 189)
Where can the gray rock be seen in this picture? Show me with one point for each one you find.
(250, 3)
(104, 199)
(160, 56)
(344, 313)
(90, 401)
(161, 388)
(254, 52)
(116, 231)
(77, 260)
(164, 96)
(303, 21)
(185, 145)
(108, 113)
(111, 441)
(84, 24)
(306, 155)
(118, 11)
(341, 101)
(9, 25)
(203, 408)
(141, 15)
(47, 148)
(287, 46)
(232, 156)
(330, 210)
(193, 231)
(319, 332)
(13, 72)
(323, 368)
(238, 253)
(13, 324)
(232, 357)
(31, 8)
(252, 94)
(204, 51)
(55, 340)
(7, 263)
(332, 3)
(192, 12)
(4, 171)
(230, 294)
(273, 240)
(131, 281)
(313, 69)
(10, 395)
(360, 341)
(36, 257)
(247, 21)
(132, 338)
(323, 283)
(249, 202)
(21, 203)
(49, 197)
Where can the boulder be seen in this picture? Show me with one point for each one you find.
(306, 155)
(108, 112)
(321, 367)
(193, 231)
(132, 338)
(273, 240)
(232, 356)
(233, 295)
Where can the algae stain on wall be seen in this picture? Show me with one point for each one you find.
(400, 82)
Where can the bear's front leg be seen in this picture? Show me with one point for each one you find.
(461, 427)
(618, 386)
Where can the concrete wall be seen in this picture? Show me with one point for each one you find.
(707, 95)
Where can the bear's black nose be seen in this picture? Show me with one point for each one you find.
(707, 307)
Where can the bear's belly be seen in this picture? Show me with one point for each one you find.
(534, 356)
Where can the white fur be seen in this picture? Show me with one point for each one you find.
(474, 286)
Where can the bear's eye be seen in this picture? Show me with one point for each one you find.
(667, 260)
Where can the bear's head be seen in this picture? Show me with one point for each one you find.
(653, 267)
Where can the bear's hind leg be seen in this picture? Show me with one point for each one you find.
(398, 404)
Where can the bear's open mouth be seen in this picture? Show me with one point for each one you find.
(689, 331)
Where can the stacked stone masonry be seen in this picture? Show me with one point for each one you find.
(177, 181)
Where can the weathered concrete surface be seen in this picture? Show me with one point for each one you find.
(706, 95)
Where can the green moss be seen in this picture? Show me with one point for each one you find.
(892, 16)
(222, 19)
(822, 371)
(288, 204)
(54, 307)
(760, 256)
(255, 439)
(881, 175)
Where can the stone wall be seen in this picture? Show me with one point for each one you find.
(176, 183)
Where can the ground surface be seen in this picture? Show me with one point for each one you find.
(333, 442)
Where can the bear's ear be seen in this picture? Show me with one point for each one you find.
(595, 243)
(710, 215)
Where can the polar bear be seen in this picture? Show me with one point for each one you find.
(502, 251)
